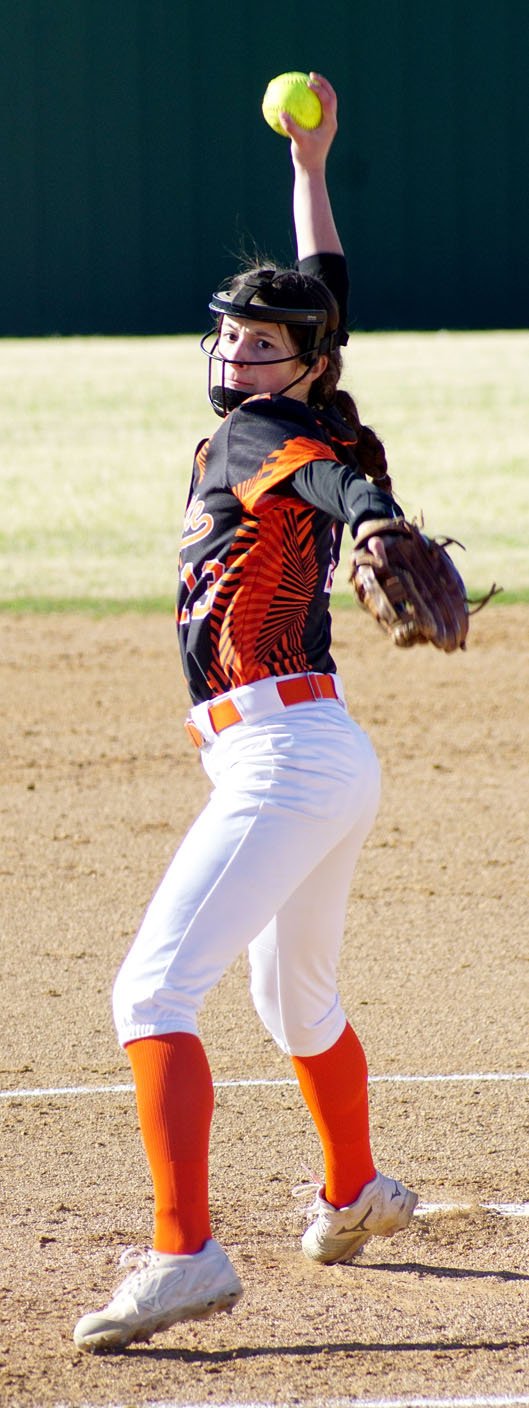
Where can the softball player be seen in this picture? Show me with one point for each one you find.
(267, 866)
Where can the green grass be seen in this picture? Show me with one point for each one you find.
(97, 437)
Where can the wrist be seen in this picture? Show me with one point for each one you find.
(310, 169)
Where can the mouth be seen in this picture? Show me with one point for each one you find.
(238, 383)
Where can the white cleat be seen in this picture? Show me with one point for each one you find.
(160, 1291)
(338, 1234)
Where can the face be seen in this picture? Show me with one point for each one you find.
(250, 350)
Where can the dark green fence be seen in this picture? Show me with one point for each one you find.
(135, 164)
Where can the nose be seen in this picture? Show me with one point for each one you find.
(237, 351)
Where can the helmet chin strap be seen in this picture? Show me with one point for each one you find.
(227, 398)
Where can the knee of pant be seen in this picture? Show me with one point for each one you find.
(310, 1039)
(265, 1000)
(295, 1032)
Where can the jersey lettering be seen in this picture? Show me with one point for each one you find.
(197, 524)
(211, 569)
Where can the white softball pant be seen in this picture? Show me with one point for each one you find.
(267, 867)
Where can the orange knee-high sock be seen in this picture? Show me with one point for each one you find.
(174, 1093)
(334, 1086)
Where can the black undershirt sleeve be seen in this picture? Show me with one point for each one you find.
(343, 494)
(332, 270)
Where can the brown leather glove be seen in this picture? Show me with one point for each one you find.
(410, 585)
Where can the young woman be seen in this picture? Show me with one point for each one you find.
(267, 866)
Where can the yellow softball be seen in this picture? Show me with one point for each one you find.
(290, 92)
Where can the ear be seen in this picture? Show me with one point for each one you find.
(319, 367)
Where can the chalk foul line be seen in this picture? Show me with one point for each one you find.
(506, 1209)
(38, 1092)
(507, 1400)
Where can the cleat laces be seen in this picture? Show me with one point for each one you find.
(138, 1260)
(308, 1190)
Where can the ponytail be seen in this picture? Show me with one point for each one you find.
(368, 451)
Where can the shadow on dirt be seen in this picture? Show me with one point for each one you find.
(304, 1351)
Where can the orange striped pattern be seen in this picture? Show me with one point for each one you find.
(280, 463)
(201, 461)
(257, 559)
(261, 605)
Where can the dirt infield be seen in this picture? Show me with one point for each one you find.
(98, 785)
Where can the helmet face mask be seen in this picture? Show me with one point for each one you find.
(225, 398)
(260, 298)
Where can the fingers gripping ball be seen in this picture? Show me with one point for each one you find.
(290, 92)
(409, 584)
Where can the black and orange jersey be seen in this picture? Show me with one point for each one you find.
(268, 500)
(270, 493)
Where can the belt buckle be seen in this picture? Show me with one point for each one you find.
(315, 687)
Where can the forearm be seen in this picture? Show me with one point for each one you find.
(314, 222)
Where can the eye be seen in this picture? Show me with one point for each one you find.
(264, 344)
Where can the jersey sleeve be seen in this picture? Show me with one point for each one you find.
(268, 439)
(342, 493)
